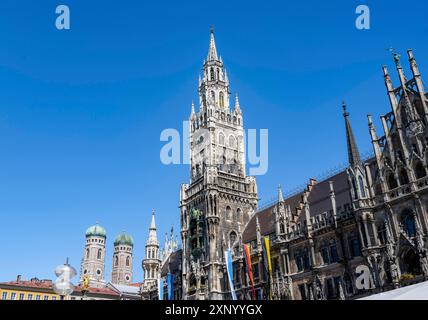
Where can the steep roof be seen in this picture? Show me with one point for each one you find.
(267, 219)
(319, 202)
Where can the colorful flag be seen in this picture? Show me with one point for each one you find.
(268, 263)
(170, 282)
(229, 268)
(249, 268)
(160, 289)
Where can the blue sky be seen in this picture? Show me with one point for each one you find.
(81, 111)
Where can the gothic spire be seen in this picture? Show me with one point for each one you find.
(353, 153)
(212, 52)
(237, 106)
(152, 230)
(280, 197)
(192, 111)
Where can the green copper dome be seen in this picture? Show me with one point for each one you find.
(96, 230)
(124, 239)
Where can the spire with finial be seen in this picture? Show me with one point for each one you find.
(280, 197)
(212, 52)
(237, 106)
(153, 238)
(353, 153)
(192, 111)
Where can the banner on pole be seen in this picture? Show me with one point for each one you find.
(160, 289)
(229, 269)
(170, 282)
(249, 268)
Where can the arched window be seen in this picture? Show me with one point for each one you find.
(221, 139)
(392, 183)
(228, 213)
(116, 260)
(232, 142)
(213, 96)
(87, 253)
(404, 179)
(99, 254)
(232, 238)
(127, 261)
(325, 253)
(420, 171)
(333, 251)
(221, 98)
(212, 73)
(354, 185)
(362, 187)
(218, 74)
(239, 216)
(408, 223)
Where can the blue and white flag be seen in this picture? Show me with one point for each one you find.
(160, 289)
(170, 282)
(229, 268)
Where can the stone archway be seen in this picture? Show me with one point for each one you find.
(409, 261)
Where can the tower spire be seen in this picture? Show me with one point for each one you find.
(212, 52)
(353, 153)
(237, 106)
(280, 197)
(192, 111)
(153, 238)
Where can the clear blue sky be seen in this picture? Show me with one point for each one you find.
(81, 111)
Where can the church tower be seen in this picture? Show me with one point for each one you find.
(122, 259)
(94, 256)
(220, 198)
(151, 262)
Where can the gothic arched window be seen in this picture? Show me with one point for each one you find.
(99, 254)
(325, 253)
(228, 213)
(420, 171)
(221, 139)
(232, 142)
(218, 74)
(87, 253)
(333, 251)
(213, 96)
(239, 216)
(392, 183)
(408, 223)
(116, 261)
(212, 73)
(362, 188)
(232, 238)
(127, 261)
(354, 186)
(404, 179)
(221, 99)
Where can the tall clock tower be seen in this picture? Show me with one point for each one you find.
(220, 198)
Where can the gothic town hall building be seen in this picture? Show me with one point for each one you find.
(373, 213)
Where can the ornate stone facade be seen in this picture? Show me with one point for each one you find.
(371, 214)
(220, 198)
